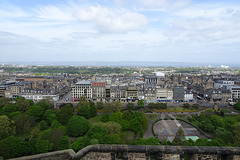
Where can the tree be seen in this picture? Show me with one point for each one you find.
(22, 103)
(100, 105)
(80, 143)
(23, 123)
(196, 106)
(237, 106)
(43, 125)
(65, 113)
(130, 106)
(50, 116)
(140, 103)
(92, 110)
(84, 111)
(77, 126)
(225, 135)
(4, 101)
(116, 106)
(112, 127)
(116, 117)
(7, 127)
(63, 143)
(186, 105)
(9, 108)
(36, 112)
(43, 146)
(179, 139)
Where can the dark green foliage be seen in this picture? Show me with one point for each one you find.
(65, 113)
(146, 141)
(92, 110)
(84, 111)
(4, 101)
(99, 105)
(55, 124)
(80, 143)
(237, 106)
(130, 106)
(49, 116)
(36, 112)
(186, 105)
(43, 146)
(7, 127)
(140, 103)
(44, 104)
(14, 147)
(24, 123)
(225, 135)
(43, 125)
(23, 103)
(157, 105)
(196, 106)
(77, 126)
(105, 118)
(63, 143)
(9, 108)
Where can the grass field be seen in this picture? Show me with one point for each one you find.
(175, 109)
(151, 116)
(182, 116)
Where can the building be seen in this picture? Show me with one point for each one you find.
(118, 93)
(217, 95)
(235, 92)
(98, 91)
(2, 91)
(178, 94)
(18, 87)
(82, 88)
(188, 97)
(164, 95)
(132, 94)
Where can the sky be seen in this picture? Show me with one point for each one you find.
(120, 30)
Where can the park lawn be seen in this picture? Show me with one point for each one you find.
(182, 116)
(150, 116)
(175, 109)
(96, 119)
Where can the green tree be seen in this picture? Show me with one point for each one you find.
(22, 103)
(80, 143)
(140, 103)
(77, 126)
(65, 113)
(186, 105)
(63, 143)
(92, 110)
(9, 108)
(36, 112)
(43, 125)
(111, 127)
(130, 106)
(104, 118)
(225, 135)
(4, 101)
(237, 106)
(7, 127)
(179, 139)
(24, 123)
(116, 117)
(100, 105)
(43, 146)
(116, 106)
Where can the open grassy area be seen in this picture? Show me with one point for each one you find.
(151, 116)
(182, 116)
(175, 109)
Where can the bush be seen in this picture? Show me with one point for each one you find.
(77, 126)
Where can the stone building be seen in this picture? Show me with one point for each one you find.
(164, 95)
(82, 88)
(118, 93)
(98, 91)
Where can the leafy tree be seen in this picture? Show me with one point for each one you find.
(225, 135)
(55, 124)
(80, 143)
(130, 106)
(65, 113)
(116, 117)
(36, 112)
(96, 132)
(77, 126)
(43, 125)
(196, 106)
(105, 118)
(179, 139)
(216, 121)
(4, 101)
(116, 106)
(92, 110)
(146, 141)
(237, 106)
(7, 127)
(236, 129)
(100, 105)
(30, 102)
(112, 127)
(63, 143)
(9, 108)
(127, 115)
(43, 146)
(44, 104)
(23, 123)
(84, 111)
(22, 103)
(140, 103)
(186, 105)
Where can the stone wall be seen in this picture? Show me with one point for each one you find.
(130, 152)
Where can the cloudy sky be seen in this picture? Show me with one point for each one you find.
(120, 30)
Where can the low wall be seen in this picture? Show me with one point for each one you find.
(134, 152)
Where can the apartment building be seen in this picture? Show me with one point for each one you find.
(82, 88)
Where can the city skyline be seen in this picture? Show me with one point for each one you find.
(139, 30)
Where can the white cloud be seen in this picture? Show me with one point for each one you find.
(110, 21)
